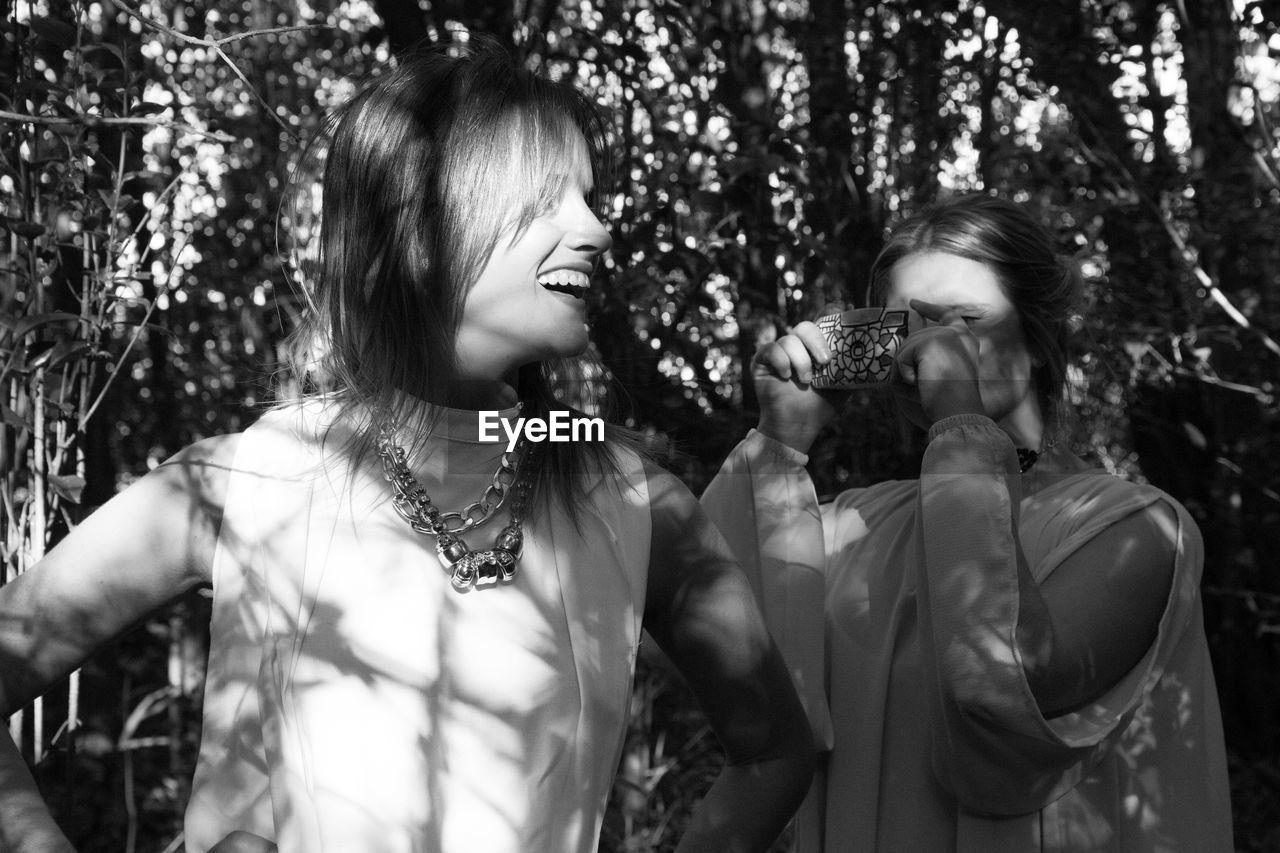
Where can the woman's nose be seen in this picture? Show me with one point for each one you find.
(589, 234)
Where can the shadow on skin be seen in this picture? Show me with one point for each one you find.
(406, 650)
(370, 649)
(120, 566)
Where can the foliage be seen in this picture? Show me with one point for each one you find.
(138, 183)
(65, 180)
(764, 146)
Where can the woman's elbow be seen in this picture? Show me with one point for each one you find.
(788, 755)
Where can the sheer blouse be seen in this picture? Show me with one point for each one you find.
(918, 683)
(355, 701)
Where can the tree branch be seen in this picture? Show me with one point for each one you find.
(216, 45)
(1184, 251)
(89, 120)
(213, 43)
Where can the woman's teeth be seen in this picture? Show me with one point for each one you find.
(572, 282)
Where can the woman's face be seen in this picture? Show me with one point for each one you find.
(1004, 360)
(529, 301)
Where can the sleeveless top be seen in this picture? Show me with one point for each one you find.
(873, 649)
(355, 701)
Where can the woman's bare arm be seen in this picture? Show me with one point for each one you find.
(136, 553)
(701, 610)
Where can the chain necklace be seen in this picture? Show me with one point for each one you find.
(467, 568)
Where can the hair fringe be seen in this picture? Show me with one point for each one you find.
(399, 247)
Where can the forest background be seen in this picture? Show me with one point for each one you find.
(765, 145)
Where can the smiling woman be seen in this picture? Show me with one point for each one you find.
(528, 298)
(421, 641)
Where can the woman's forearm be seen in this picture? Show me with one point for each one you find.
(748, 806)
(26, 826)
(701, 609)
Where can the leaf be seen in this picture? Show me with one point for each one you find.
(1195, 436)
(97, 181)
(14, 419)
(69, 488)
(109, 48)
(59, 33)
(148, 108)
(34, 321)
(146, 175)
(37, 86)
(105, 78)
(66, 351)
(37, 356)
(30, 230)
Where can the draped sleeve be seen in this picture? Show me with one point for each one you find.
(765, 505)
(991, 745)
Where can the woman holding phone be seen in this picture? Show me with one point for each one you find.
(1008, 653)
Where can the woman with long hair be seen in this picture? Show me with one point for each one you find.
(423, 633)
(1008, 653)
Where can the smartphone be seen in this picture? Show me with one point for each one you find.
(863, 344)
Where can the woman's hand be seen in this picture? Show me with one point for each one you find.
(790, 410)
(941, 361)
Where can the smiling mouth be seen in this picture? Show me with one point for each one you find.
(570, 282)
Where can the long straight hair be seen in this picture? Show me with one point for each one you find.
(425, 170)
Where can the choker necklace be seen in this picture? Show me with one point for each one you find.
(467, 568)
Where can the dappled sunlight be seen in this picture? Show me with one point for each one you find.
(865, 591)
(77, 597)
(1100, 738)
(395, 712)
(705, 602)
(1103, 571)
(762, 150)
(1160, 751)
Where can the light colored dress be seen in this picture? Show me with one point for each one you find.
(356, 702)
(938, 743)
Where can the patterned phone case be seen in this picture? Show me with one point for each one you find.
(863, 343)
